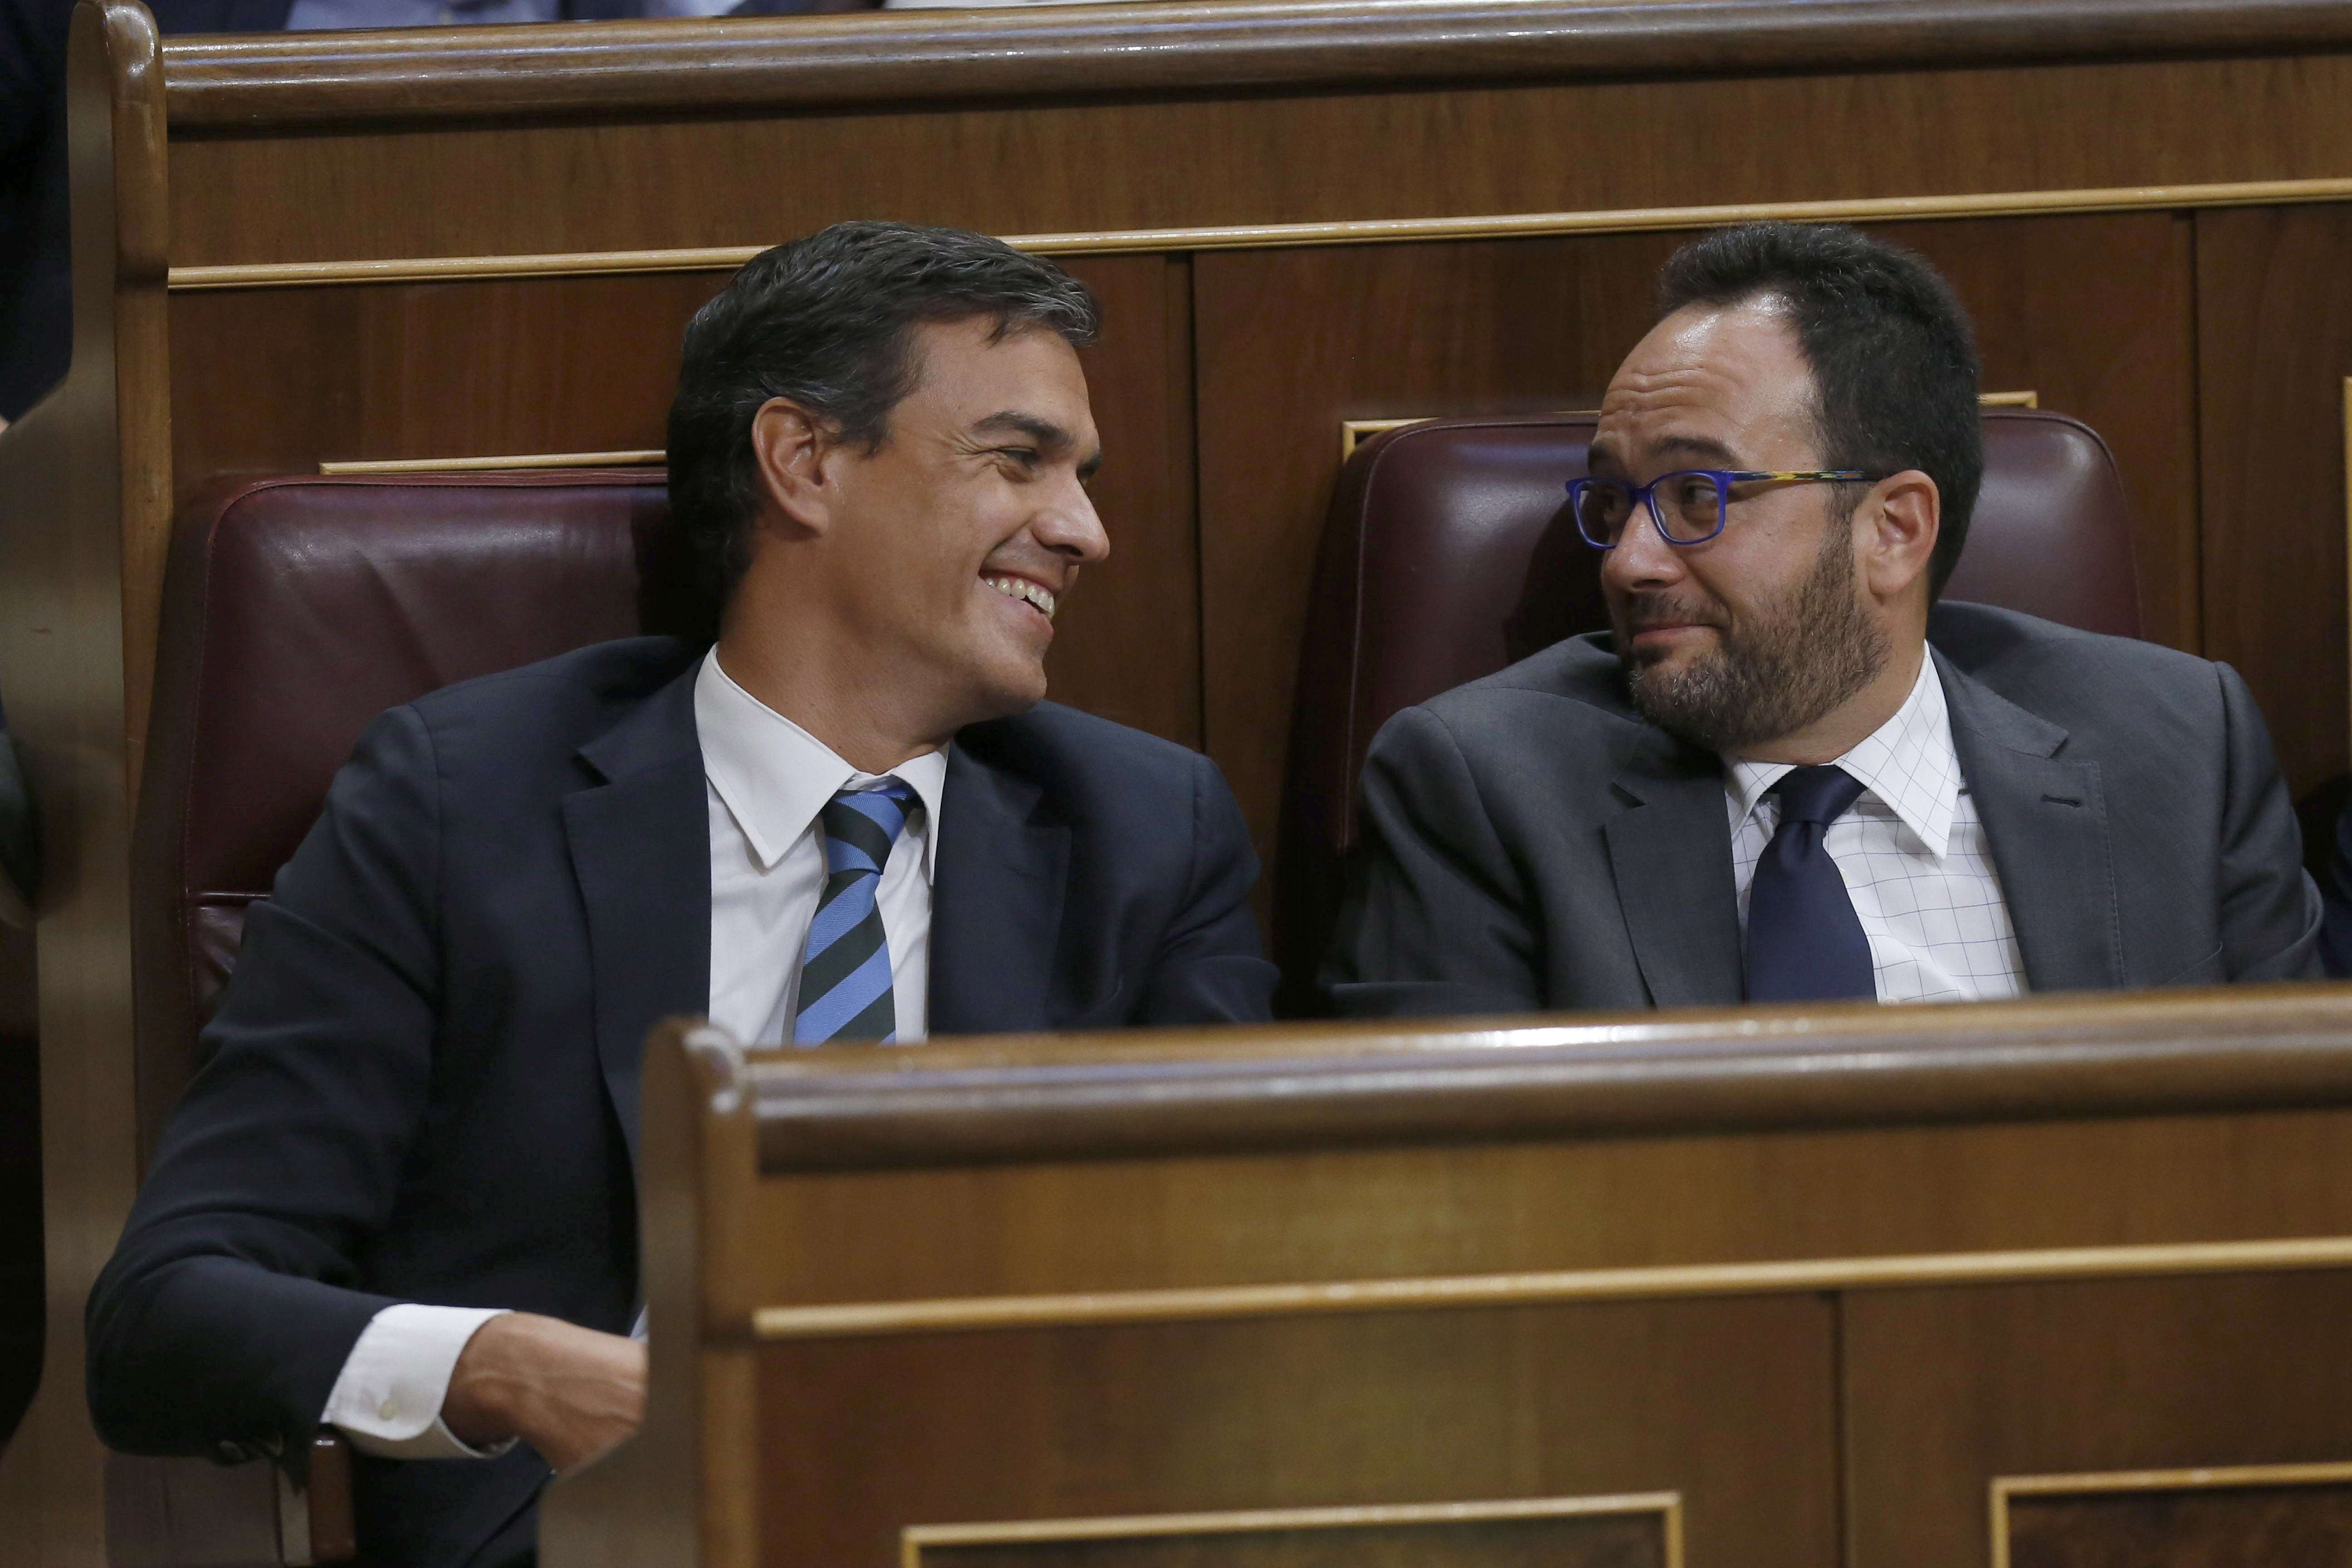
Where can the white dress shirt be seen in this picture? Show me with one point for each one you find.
(1913, 853)
(766, 780)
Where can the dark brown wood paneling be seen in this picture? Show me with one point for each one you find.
(2183, 1529)
(2091, 312)
(1728, 1402)
(1380, 152)
(275, 381)
(1610, 1203)
(2274, 333)
(278, 381)
(2096, 315)
(1947, 1389)
(1126, 644)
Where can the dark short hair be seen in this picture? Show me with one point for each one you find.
(828, 321)
(1892, 356)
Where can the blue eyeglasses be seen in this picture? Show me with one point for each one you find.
(1689, 505)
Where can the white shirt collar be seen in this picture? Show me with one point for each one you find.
(1907, 763)
(775, 776)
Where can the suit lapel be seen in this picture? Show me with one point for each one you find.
(1671, 852)
(996, 908)
(640, 846)
(2046, 821)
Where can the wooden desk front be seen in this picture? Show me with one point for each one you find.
(1765, 1289)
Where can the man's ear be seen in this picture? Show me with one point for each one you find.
(792, 446)
(1906, 514)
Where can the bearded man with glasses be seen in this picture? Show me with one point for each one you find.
(1788, 772)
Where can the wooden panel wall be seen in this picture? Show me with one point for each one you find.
(2275, 345)
(1732, 1401)
(1945, 1389)
(1246, 158)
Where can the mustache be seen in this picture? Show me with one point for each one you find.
(1642, 611)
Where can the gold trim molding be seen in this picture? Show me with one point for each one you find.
(2095, 1483)
(492, 465)
(1288, 235)
(860, 1320)
(1354, 432)
(1667, 1505)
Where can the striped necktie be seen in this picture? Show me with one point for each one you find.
(845, 970)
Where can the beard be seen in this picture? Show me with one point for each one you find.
(1798, 659)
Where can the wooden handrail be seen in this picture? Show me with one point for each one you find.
(1298, 1086)
(1188, 45)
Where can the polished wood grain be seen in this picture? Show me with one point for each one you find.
(2275, 325)
(2183, 1529)
(1814, 1426)
(1401, 153)
(1730, 1403)
(254, 83)
(1299, 1085)
(1127, 642)
(2097, 315)
(1946, 1390)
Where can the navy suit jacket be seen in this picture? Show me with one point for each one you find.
(422, 1076)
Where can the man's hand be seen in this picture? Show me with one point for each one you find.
(571, 1393)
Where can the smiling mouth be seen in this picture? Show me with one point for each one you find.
(1034, 594)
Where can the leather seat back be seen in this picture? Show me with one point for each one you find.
(298, 609)
(1449, 554)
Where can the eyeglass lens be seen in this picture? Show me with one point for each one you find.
(1689, 508)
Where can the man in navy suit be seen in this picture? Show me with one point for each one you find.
(400, 1197)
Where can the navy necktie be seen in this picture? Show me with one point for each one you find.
(846, 975)
(1804, 941)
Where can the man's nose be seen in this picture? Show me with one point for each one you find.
(1643, 558)
(1069, 526)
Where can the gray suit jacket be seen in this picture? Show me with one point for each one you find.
(1530, 843)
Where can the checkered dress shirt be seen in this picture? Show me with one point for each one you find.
(1912, 851)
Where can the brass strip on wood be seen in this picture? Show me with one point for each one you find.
(873, 1319)
(528, 460)
(914, 1538)
(2096, 1482)
(1354, 432)
(1369, 231)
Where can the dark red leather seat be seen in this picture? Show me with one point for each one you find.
(1449, 554)
(298, 609)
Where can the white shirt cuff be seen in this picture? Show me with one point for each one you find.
(387, 1400)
